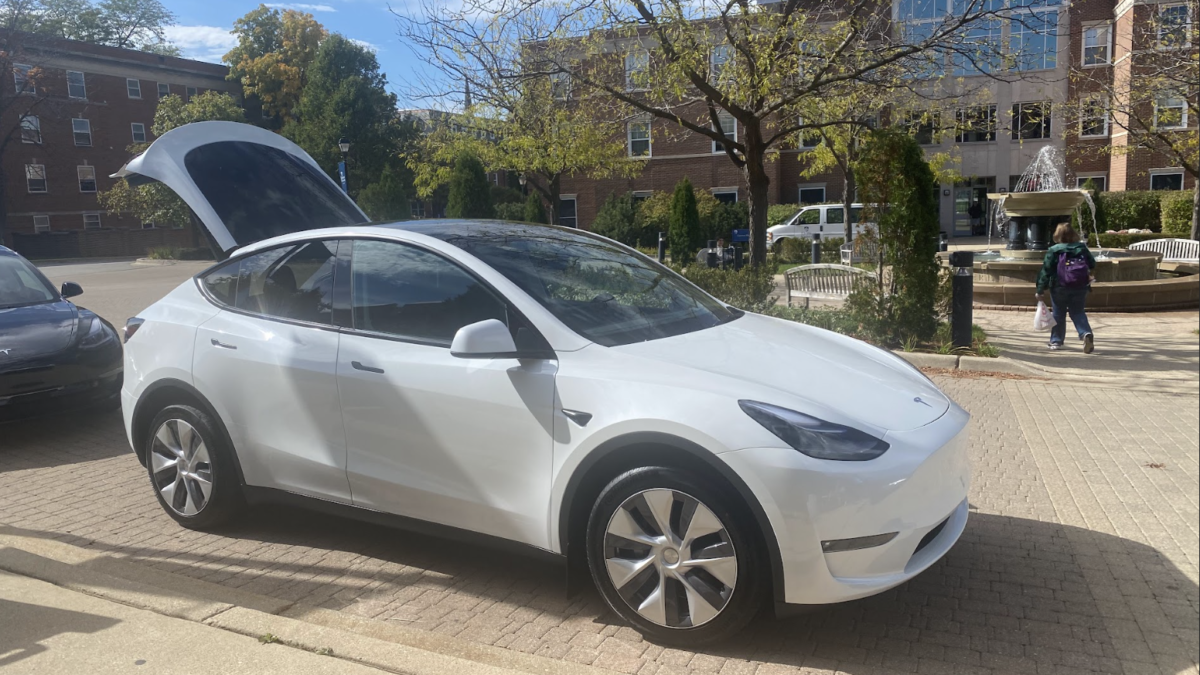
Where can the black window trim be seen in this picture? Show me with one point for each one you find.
(343, 309)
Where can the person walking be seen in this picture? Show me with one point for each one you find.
(975, 212)
(1067, 275)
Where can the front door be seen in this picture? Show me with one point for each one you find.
(269, 364)
(460, 442)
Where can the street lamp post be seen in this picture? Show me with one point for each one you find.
(522, 180)
(344, 146)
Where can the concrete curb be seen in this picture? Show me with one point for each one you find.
(922, 360)
(976, 364)
(378, 644)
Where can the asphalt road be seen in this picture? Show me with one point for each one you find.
(119, 290)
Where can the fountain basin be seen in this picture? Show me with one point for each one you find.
(1016, 267)
(1025, 204)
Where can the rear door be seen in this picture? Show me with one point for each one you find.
(242, 183)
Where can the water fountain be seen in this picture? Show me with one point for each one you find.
(1029, 214)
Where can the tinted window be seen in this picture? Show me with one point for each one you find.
(261, 192)
(22, 284)
(834, 216)
(415, 294)
(809, 217)
(292, 282)
(221, 283)
(602, 291)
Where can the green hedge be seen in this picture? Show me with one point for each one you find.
(514, 211)
(1123, 240)
(1136, 209)
(779, 213)
(1177, 214)
(749, 289)
(799, 251)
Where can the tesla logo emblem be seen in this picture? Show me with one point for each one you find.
(918, 400)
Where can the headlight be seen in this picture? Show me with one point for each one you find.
(96, 335)
(814, 437)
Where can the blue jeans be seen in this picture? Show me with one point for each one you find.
(1068, 301)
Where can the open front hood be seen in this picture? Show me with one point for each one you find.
(834, 371)
(244, 184)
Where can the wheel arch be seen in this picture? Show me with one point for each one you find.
(629, 451)
(170, 391)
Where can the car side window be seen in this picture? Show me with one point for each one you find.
(221, 283)
(291, 282)
(833, 216)
(809, 217)
(855, 214)
(411, 293)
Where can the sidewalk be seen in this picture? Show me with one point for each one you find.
(48, 629)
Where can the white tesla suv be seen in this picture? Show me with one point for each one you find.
(528, 385)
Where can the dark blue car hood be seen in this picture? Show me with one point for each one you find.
(32, 332)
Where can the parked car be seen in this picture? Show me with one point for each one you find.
(536, 386)
(54, 356)
(826, 219)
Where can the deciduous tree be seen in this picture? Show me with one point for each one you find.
(470, 192)
(272, 58)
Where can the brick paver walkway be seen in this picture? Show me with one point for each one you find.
(1080, 556)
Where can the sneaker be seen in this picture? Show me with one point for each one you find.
(1088, 344)
(1055, 347)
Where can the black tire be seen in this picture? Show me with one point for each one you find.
(742, 603)
(224, 500)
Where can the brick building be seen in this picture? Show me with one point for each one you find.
(70, 111)
(994, 139)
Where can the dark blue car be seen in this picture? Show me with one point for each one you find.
(54, 356)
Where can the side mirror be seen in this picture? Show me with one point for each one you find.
(485, 339)
(71, 289)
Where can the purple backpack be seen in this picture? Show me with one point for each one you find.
(1073, 270)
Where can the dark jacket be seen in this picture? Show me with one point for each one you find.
(1048, 277)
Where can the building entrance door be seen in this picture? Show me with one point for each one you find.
(972, 211)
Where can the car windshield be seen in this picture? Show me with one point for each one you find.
(602, 291)
(22, 284)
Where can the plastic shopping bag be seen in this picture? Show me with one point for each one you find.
(1043, 319)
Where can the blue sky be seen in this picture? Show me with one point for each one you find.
(202, 31)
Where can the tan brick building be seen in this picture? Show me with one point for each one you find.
(1016, 116)
(70, 111)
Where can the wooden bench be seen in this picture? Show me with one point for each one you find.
(858, 251)
(823, 282)
(1172, 250)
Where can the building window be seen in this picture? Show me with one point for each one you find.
(1097, 45)
(980, 50)
(139, 132)
(31, 129)
(416, 208)
(191, 93)
(728, 127)
(41, 224)
(1166, 180)
(21, 78)
(812, 194)
(1101, 182)
(1174, 26)
(560, 86)
(35, 178)
(639, 139)
(567, 213)
(164, 90)
(1170, 113)
(637, 70)
(976, 124)
(640, 196)
(1030, 121)
(83, 132)
(76, 87)
(1093, 120)
(1033, 40)
(719, 63)
(87, 178)
(726, 195)
(809, 138)
(133, 87)
(91, 221)
(923, 126)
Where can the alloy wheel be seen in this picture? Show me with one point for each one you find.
(670, 558)
(181, 468)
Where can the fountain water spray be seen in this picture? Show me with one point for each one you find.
(1044, 174)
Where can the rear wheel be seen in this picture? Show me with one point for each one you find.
(191, 468)
(672, 555)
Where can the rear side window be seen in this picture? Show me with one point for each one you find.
(292, 282)
(221, 283)
(414, 294)
(261, 192)
(833, 216)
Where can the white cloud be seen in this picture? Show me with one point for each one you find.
(205, 43)
(300, 7)
(366, 45)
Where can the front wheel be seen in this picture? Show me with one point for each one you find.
(674, 556)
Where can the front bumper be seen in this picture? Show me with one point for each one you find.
(917, 489)
(61, 398)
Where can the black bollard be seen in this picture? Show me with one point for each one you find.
(737, 258)
(711, 257)
(816, 248)
(943, 242)
(662, 247)
(962, 297)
